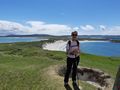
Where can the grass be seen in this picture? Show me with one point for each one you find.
(23, 65)
(115, 41)
(106, 64)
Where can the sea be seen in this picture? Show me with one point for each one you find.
(102, 48)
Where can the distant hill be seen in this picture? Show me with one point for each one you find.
(31, 35)
(80, 37)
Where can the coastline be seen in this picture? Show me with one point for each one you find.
(60, 45)
(29, 57)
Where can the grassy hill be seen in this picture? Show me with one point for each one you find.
(23, 66)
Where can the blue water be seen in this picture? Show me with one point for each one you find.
(104, 48)
(19, 39)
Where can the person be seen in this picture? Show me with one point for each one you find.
(73, 52)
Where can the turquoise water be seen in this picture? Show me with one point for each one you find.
(104, 48)
(19, 39)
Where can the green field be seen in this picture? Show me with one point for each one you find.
(115, 41)
(24, 66)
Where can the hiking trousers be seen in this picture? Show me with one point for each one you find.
(72, 64)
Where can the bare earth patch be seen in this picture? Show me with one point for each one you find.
(95, 77)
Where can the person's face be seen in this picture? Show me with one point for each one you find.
(74, 35)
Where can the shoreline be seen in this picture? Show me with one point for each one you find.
(55, 38)
(59, 45)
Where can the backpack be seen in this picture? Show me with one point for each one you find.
(69, 42)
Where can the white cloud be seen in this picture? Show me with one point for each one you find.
(76, 28)
(33, 27)
(7, 27)
(87, 27)
(102, 27)
(38, 27)
(44, 28)
(114, 30)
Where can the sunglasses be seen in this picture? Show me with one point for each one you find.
(74, 34)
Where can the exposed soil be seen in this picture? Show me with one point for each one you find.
(95, 77)
(92, 76)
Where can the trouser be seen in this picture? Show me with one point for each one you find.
(72, 63)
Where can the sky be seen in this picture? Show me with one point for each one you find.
(60, 17)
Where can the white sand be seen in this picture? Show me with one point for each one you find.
(56, 46)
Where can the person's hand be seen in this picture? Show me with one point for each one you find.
(75, 50)
(72, 52)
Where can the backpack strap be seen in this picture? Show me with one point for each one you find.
(77, 43)
(69, 43)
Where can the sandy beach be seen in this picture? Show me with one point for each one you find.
(56, 46)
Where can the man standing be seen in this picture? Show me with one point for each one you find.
(73, 52)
